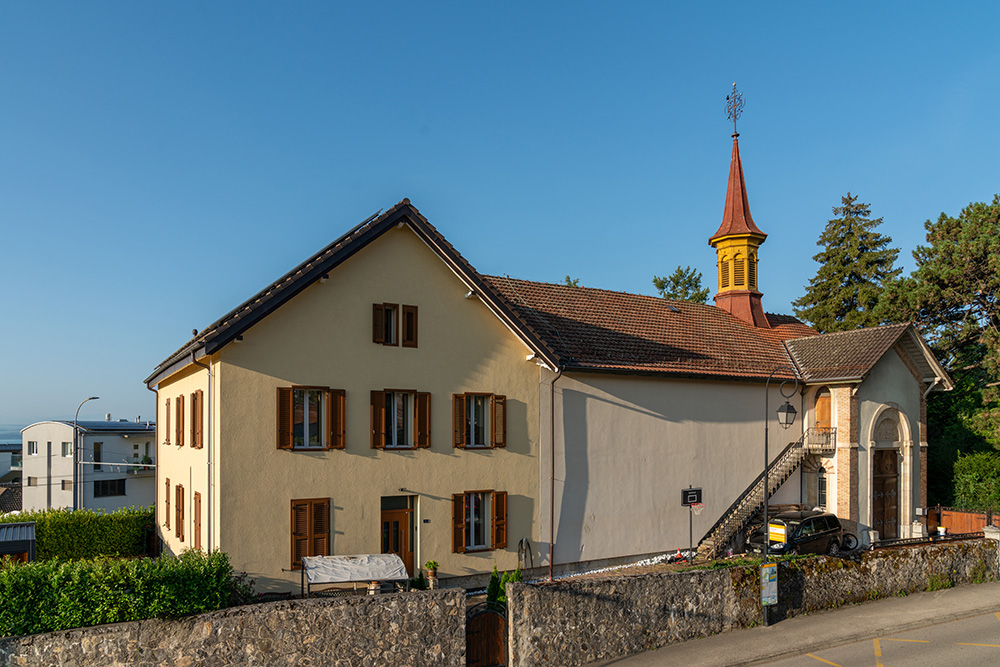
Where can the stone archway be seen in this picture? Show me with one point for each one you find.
(885, 476)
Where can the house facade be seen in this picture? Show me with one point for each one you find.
(384, 396)
(108, 465)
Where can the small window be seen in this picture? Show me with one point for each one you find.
(197, 416)
(821, 487)
(179, 421)
(480, 420)
(400, 419)
(479, 520)
(179, 512)
(109, 487)
(67, 449)
(32, 448)
(724, 273)
(385, 323)
(311, 418)
(32, 481)
(310, 529)
(67, 485)
(98, 456)
(166, 425)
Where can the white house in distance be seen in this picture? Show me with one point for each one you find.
(110, 465)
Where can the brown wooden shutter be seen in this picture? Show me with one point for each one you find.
(337, 405)
(409, 326)
(196, 508)
(458, 523)
(319, 538)
(378, 323)
(284, 418)
(166, 498)
(300, 532)
(378, 420)
(422, 419)
(166, 439)
(499, 420)
(179, 528)
(499, 519)
(179, 430)
(458, 421)
(197, 410)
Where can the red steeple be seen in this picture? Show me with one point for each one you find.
(736, 217)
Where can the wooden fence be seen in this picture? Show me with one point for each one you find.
(960, 521)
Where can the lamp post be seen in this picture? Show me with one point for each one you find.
(786, 416)
(78, 453)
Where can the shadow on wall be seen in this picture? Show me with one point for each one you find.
(569, 545)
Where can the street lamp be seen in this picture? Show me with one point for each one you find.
(786, 416)
(79, 456)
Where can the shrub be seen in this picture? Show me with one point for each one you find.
(977, 480)
(57, 595)
(69, 534)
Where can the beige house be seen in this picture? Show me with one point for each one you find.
(383, 396)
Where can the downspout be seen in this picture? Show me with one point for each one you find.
(552, 461)
(156, 475)
(208, 437)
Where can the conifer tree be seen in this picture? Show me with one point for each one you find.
(684, 284)
(854, 265)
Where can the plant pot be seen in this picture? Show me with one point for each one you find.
(432, 579)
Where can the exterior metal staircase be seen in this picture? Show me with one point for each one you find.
(751, 501)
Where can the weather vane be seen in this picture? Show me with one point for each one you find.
(734, 107)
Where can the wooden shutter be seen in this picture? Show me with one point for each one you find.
(319, 538)
(300, 532)
(458, 523)
(179, 430)
(166, 439)
(499, 420)
(378, 420)
(458, 420)
(409, 326)
(197, 410)
(179, 528)
(378, 323)
(422, 419)
(499, 519)
(196, 509)
(166, 498)
(284, 418)
(336, 411)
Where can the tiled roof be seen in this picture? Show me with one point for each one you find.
(847, 355)
(10, 498)
(601, 330)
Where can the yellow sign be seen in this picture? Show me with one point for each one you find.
(776, 532)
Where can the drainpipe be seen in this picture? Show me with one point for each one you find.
(552, 477)
(208, 437)
(156, 467)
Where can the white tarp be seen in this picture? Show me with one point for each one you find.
(346, 569)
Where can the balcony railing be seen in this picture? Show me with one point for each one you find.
(821, 439)
(16, 462)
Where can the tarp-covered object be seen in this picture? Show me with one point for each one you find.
(346, 569)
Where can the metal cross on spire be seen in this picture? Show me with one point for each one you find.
(734, 107)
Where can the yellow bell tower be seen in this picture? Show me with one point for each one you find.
(736, 243)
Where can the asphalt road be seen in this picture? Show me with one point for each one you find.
(971, 641)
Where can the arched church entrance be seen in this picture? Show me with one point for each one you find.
(885, 478)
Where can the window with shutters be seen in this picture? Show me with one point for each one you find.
(479, 521)
(739, 271)
(385, 323)
(310, 529)
(409, 326)
(166, 503)
(197, 418)
(724, 272)
(480, 420)
(166, 426)
(401, 419)
(179, 421)
(179, 512)
(752, 271)
(311, 418)
(196, 512)
(67, 485)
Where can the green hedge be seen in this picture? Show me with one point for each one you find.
(53, 595)
(977, 481)
(65, 534)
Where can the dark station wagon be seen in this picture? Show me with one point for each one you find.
(809, 532)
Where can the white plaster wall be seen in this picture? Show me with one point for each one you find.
(628, 445)
(48, 466)
(117, 449)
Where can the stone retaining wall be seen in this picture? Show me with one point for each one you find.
(576, 622)
(419, 628)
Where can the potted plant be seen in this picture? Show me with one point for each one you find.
(432, 574)
(146, 462)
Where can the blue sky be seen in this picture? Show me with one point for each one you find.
(160, 163)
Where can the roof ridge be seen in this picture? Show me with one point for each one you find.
(859, 329)
(598, 289)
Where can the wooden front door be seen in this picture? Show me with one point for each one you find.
(396, 531)
(885, 493)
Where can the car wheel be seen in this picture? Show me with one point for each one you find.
(833, 549)
(850, 543)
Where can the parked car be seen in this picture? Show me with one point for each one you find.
(810, 532)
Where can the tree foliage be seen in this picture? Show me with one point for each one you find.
(572, 282)
(977, 481)
(855, 263)
(953, 297)
(684, 284)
